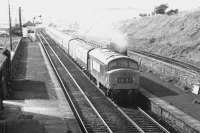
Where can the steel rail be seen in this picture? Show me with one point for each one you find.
(94, 109)
(64, 89)
(153, 120)
(132, 122)
(168, 60)
(100, 91)
(125, 115)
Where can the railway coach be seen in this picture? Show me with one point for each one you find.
(58, 37)
(96, 42)
(117, 75)
(104, 43)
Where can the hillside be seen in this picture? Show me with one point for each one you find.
(176, 36)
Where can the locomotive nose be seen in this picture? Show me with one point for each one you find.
(124, 79)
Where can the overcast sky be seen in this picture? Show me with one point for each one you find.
(84, 9)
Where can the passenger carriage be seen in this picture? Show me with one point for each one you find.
(78, 50)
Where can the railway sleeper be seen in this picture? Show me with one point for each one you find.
(121, 97)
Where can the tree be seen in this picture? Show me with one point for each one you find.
(142, 14)
(161, 9)
(29, 23)
(172, 12)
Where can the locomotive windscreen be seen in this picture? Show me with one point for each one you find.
(123, 63)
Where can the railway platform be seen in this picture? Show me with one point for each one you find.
(178, 108)
(37, 103)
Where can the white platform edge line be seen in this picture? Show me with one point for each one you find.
(57, 87)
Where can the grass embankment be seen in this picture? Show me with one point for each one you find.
(176, 36)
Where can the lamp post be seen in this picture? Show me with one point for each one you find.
(11, 52)
(20, 21)
(10, 26)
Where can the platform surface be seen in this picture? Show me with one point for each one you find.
(36, 93)
(173, 95)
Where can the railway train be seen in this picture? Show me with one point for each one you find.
(116, 74)
(103, 43)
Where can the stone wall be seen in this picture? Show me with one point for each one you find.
(171, 115)
(182, 78)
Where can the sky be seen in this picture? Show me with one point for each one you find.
(72, 8)
(86, 11)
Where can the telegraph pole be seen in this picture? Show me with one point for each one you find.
(20, 21)
(10, 26)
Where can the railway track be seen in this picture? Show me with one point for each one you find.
(92, 120)
(87, 116)
(146, 122)
(109, 117)
(169, 60)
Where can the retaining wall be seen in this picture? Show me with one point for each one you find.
(177, 119)
(183, 78)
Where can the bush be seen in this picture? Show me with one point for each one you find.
(16, 30)
(152, 40)
(161, 9)
(172, 12)
(142, 14)
(29, 23)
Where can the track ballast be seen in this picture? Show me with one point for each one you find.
(113, 119)
(92, 123)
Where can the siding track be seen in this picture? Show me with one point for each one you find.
(168, 60)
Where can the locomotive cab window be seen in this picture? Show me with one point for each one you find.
(122, 63)
(133, 65)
